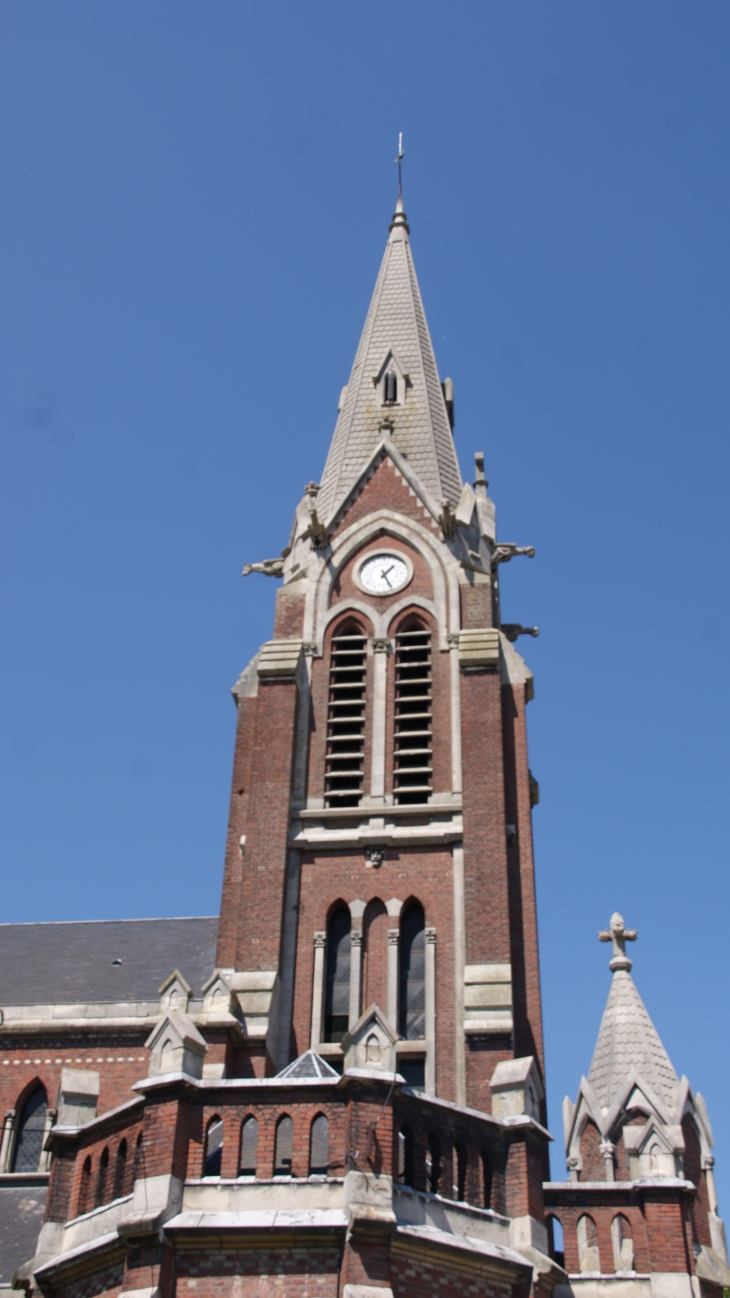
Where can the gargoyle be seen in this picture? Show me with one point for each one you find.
(511, 630)
(269, 567)
(503, 553)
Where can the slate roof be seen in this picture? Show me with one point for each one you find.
(69, 962)
(21, 1217)
(396, 319)
(628, 1040)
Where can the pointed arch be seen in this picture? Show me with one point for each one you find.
(284, 1146)
(249, 1146)
(413, 712)
(337, 987)
(588, 1255)
(622, 1242)
(85, 1187)
(460, 1160)
(412, 973)
(213, 1146)
(120, 1171)
(346, 714)
(319, 1145)
(102, 1178)
(31, 1129)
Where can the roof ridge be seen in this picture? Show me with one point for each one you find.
(144, 919)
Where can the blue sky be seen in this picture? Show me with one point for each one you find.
(196, 199)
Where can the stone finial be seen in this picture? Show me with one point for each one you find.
(619, 936)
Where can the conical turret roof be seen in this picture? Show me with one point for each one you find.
(628, 1042)
(396, 324)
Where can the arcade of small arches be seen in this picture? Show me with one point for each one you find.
(111, 1175)
(383, 954)
(584, 1246)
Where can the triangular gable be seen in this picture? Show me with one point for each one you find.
(387, 448)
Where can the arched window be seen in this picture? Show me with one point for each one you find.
(102, 1178)
(374, 954)
(556, 1249)
(284, 1139)
(32, 1124)
(120, 1170)
(405, 1156)
(249, 1146)
(319, 1146)
(138, 1170)
(433, 1164)
(487, 1174)
(588, 1255)
(85, 1187)
(460, 1169)
(413, 737)
(346, 717)
(390, 387)
(213, 1147)
(623, 1244)
(337, 997)
(412, 999)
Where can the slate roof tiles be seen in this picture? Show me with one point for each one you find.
(395, 320)
(628, 1040)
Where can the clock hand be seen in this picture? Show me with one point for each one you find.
(384, 574)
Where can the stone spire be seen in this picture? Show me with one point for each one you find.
(627, 1039)
(395, 337)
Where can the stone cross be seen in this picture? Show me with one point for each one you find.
(619, 936)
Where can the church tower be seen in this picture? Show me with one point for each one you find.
(380, 842)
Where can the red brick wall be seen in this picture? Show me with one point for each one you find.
(119, 1060)
(593, 1168)
(528, 1037)
(299, 1270)
(266, 827)
(233, 872)
(387, 489)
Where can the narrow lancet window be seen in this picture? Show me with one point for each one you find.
(32, 1124)
(413, 774)
(346, 718)
(249, 1147)
(213, 1148)
(390, 388)
(319, 1146)
(284, 1141)
(337, 998)
(412, 1007)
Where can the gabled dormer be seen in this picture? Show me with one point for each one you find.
(391, 381)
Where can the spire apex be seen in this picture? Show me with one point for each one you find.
(619, 936)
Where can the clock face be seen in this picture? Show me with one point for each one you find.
(384, 573)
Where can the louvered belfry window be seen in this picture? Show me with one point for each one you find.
(346, 718)
(413, 739)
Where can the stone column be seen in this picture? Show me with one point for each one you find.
(607, 1149)
(320, 942)
(8, 1141)
(355, 974)
(430, 1011)
(380, 682)
(455, 693)
(459, 963)
(44, 1164)
(392, 1007)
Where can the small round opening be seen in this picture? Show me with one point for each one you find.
(117, 961)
